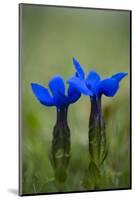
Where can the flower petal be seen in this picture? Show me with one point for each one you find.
(57, 87)
(73, 94)
(108, 87)
(42, 94)
(119, 76)
(80, 85)
(80, 72)
(92, 79)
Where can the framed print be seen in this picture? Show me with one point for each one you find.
(75, 99)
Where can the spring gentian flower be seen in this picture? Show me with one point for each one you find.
(61, 132)
(94, 87)
(58, 97)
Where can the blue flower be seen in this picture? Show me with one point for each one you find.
(57, 97)
(92, 85)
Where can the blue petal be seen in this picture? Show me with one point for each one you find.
(92, 79)
(73, 94)
(80, 72)
(108, 87)
(80, 85)
(57, 87)
(119, 76)
(42, 94)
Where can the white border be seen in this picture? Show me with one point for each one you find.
(9, 97)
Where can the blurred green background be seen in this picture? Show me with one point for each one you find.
(50, 38)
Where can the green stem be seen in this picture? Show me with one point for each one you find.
(97, 136)
(61, 145)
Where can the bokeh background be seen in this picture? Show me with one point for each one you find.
(49, 38)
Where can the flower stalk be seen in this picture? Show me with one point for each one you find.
(97, 143)
(97, 134)
(61, 145)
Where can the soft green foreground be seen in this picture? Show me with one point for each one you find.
(100, 41)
